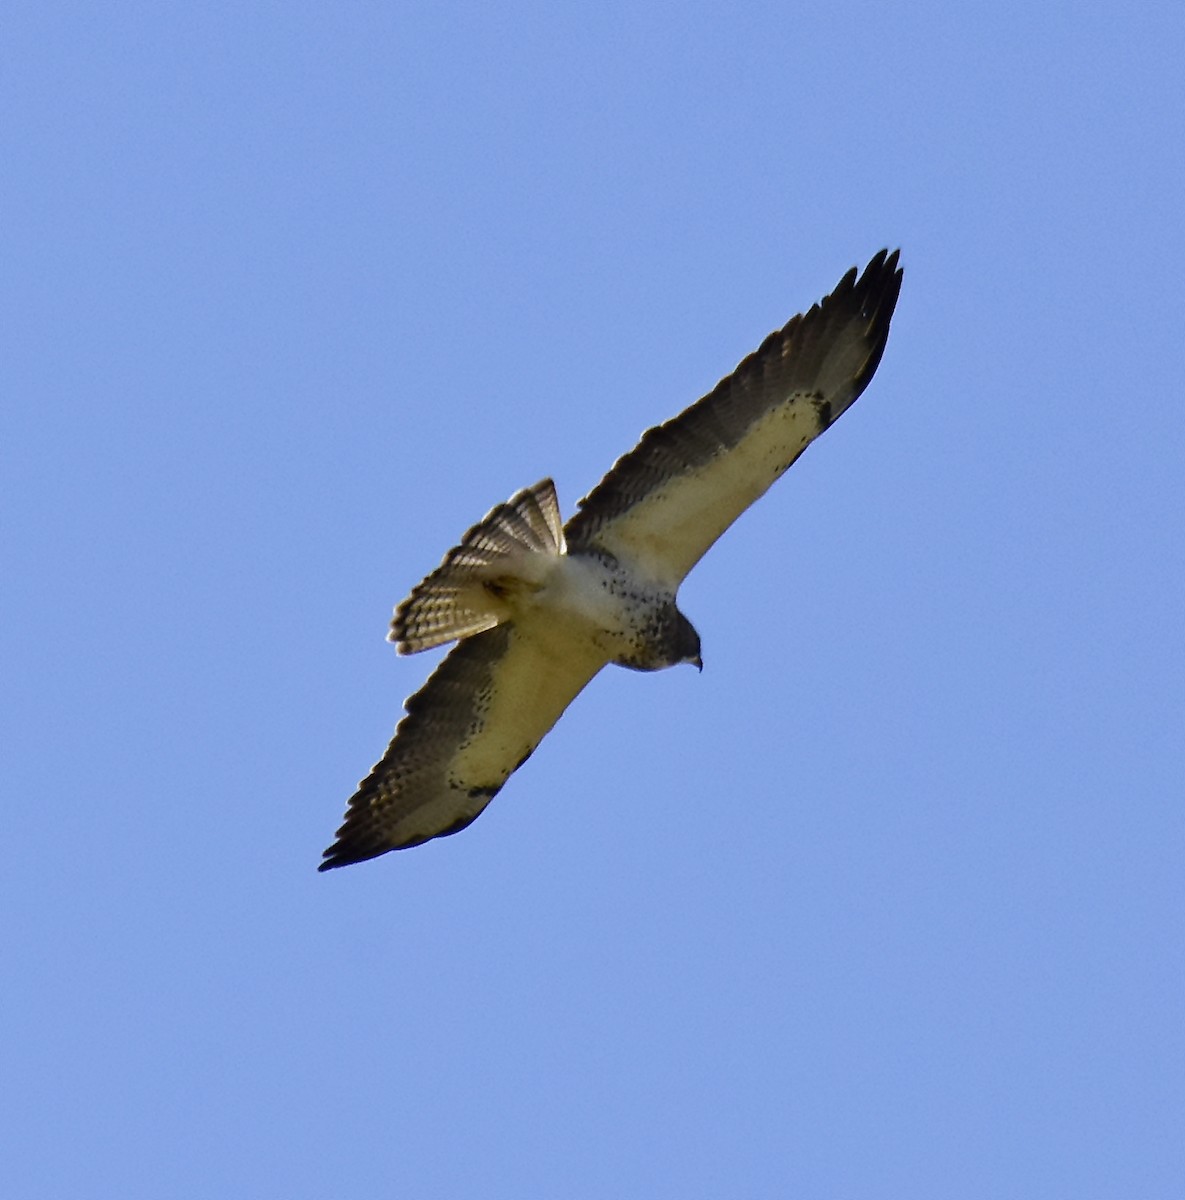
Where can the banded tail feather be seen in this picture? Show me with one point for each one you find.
(468, 592)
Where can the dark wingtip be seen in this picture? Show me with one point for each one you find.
(356, 841)
(882, 278)
(879, 286)
(882, 270)
(343, 854)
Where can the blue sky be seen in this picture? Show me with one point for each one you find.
(889, 901)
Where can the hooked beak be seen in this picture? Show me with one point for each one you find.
(698, 663)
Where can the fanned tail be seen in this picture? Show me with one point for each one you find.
(470, 589)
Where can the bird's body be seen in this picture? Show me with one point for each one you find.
(592, 596)
(538, 608)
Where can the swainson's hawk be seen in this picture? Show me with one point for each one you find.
(538, 607)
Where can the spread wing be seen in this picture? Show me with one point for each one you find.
(478, 718)
(665, 503)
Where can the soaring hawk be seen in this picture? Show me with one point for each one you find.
(538, 607)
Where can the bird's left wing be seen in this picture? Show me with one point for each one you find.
(667, 501)
(467, 730)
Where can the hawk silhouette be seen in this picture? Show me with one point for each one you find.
(538, 607)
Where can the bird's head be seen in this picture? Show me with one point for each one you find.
(687, 642)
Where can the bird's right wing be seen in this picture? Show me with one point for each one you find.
(666, 502)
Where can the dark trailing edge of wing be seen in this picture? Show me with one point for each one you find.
(795, 358)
